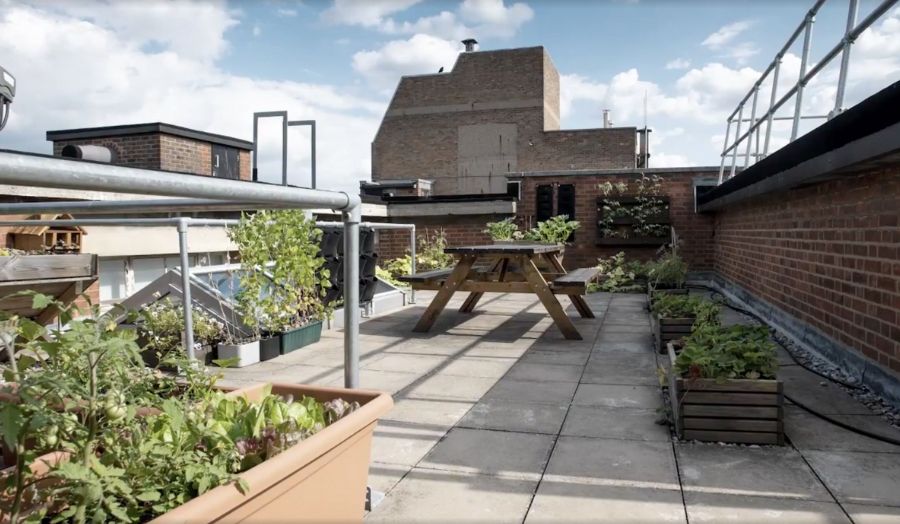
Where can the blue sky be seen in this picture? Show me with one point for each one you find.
(210, 64)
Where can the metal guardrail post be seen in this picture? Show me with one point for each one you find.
(412, 258)
(772, 100)
(801, 83)
(845, 59)
(186, 287)
(351, 218)
(725, 150)
(737, 135)
(752, 122)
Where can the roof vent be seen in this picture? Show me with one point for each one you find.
(88, 152)
(470, 44)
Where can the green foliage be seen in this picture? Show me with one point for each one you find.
(162, 324)
(621, 276)
(646, 212)
(505, 229)
(386, 276)
(732, 352)
(556, 230)
(668, 305)
(429, 255)
(283, 282)
(139, 442)
(670, 270)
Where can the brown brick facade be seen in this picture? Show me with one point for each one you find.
(496, 112)
(141, 151)
(827, 254)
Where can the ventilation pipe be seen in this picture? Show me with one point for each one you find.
(86, 152)
(470, 44)
(607, 123)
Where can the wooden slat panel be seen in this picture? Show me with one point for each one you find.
(730, 424)
(31, 267)
(736, 386)
(698, 410)
(505, 249)
(740, 437)
(677, 321)
(577, 276)
(729, 398)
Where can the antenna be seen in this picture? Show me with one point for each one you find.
(645, 109)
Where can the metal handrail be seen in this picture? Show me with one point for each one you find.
(851, 33)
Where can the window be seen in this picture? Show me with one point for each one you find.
(565, 203)
(544, 204)
(514, 189)
(112, 279)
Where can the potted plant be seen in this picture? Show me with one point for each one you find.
(619, 275)
(283, 284)
(667, 274)
(201, 455)
(675, 316)
(503, 231)
(723, 386)
(633, 214)
(556, 230)
(161, 332)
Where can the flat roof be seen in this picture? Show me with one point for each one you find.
(616, 172)
(864, 136)
(144, 129)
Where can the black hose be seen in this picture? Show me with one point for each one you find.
(876, 436)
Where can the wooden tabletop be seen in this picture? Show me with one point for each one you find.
(505, 249)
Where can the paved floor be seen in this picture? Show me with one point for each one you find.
(499, 419)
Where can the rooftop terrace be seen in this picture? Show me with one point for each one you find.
(500, 419)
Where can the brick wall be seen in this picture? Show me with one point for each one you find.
(141, 151)
(458, 230)
(244, 163)
(827, 254)
(695, 231)
(185, 155)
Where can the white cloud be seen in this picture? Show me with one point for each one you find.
(257, 30)
(678, 63)
(418, 55)
(726, 34)
(661, 159)
(365, 13)
(62, 84)
(286, 12)
(492, 18)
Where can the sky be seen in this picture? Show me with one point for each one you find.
(210, 64)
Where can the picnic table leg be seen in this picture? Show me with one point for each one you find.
(577, 300)
(456, 278)
(542, 290)
(472, 300)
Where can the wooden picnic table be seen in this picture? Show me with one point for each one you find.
(506, 268)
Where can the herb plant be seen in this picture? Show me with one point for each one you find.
(555, 230)
(732, 352)
(669, 271)
(504, 230)
(283, 283)
(686, 306)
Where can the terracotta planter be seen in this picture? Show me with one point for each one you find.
(321, 479)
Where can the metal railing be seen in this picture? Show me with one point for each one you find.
(750, 139)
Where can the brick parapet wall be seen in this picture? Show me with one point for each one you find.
(458, 230)
(141, 151)
(695, 231)
(827, 254)
(185, 155)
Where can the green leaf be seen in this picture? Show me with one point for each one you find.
(242, 485)
(148, 496)
(40, 301)
(11, 423)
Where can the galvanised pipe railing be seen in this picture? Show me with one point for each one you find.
(851, 33)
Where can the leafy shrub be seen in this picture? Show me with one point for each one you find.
(385, 275)
(505, 229)
(283, 283)
(619, 275)
(732, 352)
(556, 230)
(704, 311)
(162, 324)
(670, 270)
(429, 255)
(648, 208)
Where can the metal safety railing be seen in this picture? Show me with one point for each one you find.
(750, 138)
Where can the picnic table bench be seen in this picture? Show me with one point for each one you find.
(511, 268)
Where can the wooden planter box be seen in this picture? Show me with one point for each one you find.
(321, 479)
(651, 291)
(742, 411)
(666, 330)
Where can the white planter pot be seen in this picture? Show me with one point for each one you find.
(246, 353)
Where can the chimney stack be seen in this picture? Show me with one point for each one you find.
(606, 121)
(470, 44)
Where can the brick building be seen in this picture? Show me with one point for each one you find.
(494, 113)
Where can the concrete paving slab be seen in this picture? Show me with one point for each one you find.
(441, 386)
(486, 367)
(545, 372)
(403, 443)
(559, 393)
(559, 357)
(873, 514)
(622, 368)
(427, 495)
(720, 508)
(510, 415)
(405, 363)
(620, 423)
(809, 432)
(618, 396)
(577, 503)
(625, 336)
(383, 477)
(387, 381)
(859, 477)
(437, 413)
(611, 462)
(499, 453)
(630, 347)
(498, 350)
(774, 472)
(818, 393)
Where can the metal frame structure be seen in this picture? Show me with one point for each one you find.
(285, 124)
(312, 145)
(851, 33)
(23, 169)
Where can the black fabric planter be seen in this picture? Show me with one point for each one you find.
(269, 347)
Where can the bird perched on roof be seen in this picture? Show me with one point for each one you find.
(441, 70)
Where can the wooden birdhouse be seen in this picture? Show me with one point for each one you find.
(48, 239)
